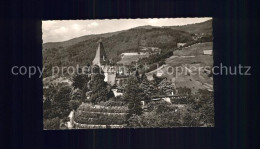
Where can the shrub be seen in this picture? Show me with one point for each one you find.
(135, 121)
(53, 123)
(101, 119)
(111, 109)
(153, 104)
(111, 103)
(181, 101)
(73, 104)
(160, 120)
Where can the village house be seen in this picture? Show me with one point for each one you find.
(133, 54)
(207, 52)
(180, 45)
(151, 50)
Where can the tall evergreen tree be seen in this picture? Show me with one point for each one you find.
(148, 87)
(98, 88)
(134, 95)
(137, 75)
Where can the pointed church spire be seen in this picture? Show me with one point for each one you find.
(100, 57)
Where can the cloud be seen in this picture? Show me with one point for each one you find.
(93, 24)
(47, 25)
(61, 30)
(153, 21)
(76, 27)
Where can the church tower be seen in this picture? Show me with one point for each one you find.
(100, 58)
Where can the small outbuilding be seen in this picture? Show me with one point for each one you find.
(207, 52)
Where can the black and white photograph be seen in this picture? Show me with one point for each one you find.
(128, 73)
(148, 74)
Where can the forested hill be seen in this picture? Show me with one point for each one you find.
(82, 50)
(204, 27)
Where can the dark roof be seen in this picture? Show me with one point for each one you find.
(98, 60)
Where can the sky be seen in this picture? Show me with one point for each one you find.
(57, 30)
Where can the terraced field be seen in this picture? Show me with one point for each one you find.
(186, 58)
(96, 116)
(196, 49)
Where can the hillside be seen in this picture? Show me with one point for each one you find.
(81, 50)
(194, 50)
(190, 57)
(73, 41)
(127, 41)
(204, 27)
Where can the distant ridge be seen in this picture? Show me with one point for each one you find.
(204, 27)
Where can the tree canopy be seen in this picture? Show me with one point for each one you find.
(98, 88)
(134, 95)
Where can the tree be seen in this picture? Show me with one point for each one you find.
(60, 104)
(206, 101)
(110, 93)
(135, 121)
(47, 110)
(184, 91)
(137, 75)
(53, 123)
(85, 89)
(98, 88)
(76, 99)
(49, 92)
(190, 116)
(143, 76)
(79, 81)
(156, 79)
(166, 87)
(134, 95)
(161, 120)
(76, 95)
(148, 87)
(74, 104)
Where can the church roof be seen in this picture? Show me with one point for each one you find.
(100, 57)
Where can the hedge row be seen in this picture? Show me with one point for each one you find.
(110, 109)
(101, 119)
(95, 114)
(111, 103)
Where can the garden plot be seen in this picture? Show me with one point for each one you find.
(96, 116)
